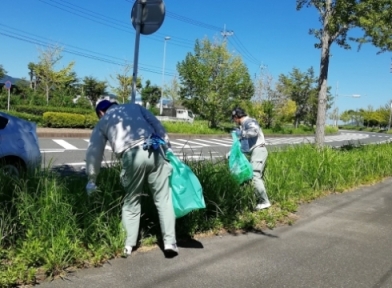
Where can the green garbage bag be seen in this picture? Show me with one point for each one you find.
(187, 193)
(239, 165)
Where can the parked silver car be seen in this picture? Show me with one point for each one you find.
(19, 146)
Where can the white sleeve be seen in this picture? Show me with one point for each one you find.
(94, 154)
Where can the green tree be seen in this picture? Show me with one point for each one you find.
(300, 87)
(93, 89)
(124, 83)
(172, 92)
(286, 111)
(49, 79)
(337, 17)
(213, 81)
(345, 117)
(31, 67)
(2, 72)
(150, 94)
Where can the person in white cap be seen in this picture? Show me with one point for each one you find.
(127, 127)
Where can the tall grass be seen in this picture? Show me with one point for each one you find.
(49, 226)
(197, 127)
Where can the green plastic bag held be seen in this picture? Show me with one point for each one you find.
(187, 193)
(238, 163)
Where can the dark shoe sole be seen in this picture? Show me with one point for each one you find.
(170, 253)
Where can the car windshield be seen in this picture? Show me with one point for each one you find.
(190, 114)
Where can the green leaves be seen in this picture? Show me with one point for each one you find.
(45, 73)
(93, 88)
(150, 94)
(213, 81)
(2, 71)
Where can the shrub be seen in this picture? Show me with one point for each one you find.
(40, 110)
(63, 120)
(38, 119)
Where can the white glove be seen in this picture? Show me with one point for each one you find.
(90, 187)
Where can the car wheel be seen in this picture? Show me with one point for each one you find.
(11, 168)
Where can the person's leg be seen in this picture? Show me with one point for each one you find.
(158, 181)
(258, 160)
(132, 178)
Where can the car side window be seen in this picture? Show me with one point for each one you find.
(3, 122)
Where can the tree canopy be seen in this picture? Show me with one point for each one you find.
(47, 76)
(2, 71)
(213, 81)
(337, 17)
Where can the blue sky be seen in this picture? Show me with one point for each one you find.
(265, 33)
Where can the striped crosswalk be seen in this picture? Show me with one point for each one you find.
(61, 145)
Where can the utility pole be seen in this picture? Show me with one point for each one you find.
(225, 33)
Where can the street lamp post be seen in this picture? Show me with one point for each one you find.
(336, 109)
(390, 117)
(163, 74)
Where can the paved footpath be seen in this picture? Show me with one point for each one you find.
(343, 240)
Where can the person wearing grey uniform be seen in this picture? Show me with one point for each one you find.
(127, 127)
(253, 144)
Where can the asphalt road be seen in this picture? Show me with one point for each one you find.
(70, 152)
(342, 240)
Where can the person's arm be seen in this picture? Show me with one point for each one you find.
(156, 124)
(94, 154)
(251, 129)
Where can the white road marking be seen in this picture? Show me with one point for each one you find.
(184, 145)
(214, 142)
(65, 144)
(192, 142)
(52, 150)
(107, 147)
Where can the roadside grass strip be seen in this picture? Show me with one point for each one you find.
(49, 226)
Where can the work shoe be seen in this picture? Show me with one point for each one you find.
(171, 250)
(263, 206)
(127, 251)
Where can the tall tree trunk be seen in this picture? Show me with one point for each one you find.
(322, 97)
(47, 94)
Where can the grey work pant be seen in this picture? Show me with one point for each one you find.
(139, 166)
(258, 157)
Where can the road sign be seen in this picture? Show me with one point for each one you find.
(153, 14)
(8, 85)
(147, 16)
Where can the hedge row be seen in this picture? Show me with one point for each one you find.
(69, 120)
(40, 110)
(29, 117)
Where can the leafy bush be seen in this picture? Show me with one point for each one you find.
(63, 120)
(40, 110)
(197, 127)
(29, 117)
(69, 120)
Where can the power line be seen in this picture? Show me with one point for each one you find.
(70, 51)
(245, 51)
(68, 45)
(175, 40)
(105, 20)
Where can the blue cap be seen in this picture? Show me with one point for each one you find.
(103, 106)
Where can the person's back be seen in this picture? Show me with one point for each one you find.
(252, 134)
(127, 127)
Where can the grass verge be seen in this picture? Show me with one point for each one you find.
(48, 226)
